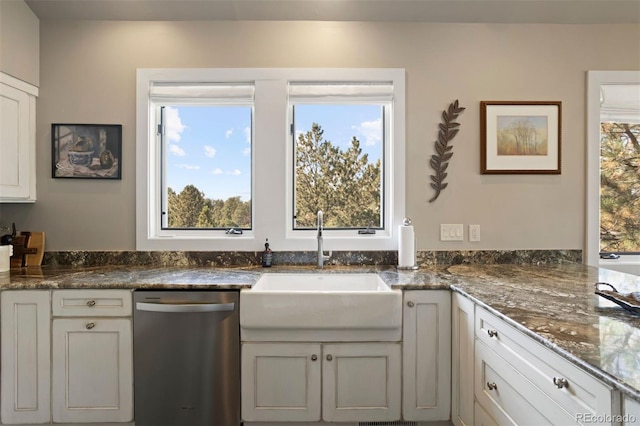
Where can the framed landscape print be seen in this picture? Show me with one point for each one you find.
(520, 137)
(86, 151)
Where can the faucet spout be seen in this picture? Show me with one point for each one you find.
(321, 256)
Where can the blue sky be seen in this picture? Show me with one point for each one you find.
(210, 147)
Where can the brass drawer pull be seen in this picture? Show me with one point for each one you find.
(560, 382)
(492, 333)
(90, 325)
(91, 303)
(492, 386)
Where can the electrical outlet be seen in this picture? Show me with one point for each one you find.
(451, 232)
(474, 232)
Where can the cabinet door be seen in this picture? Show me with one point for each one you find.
(281, 382)
(17, 143)
(92, 377)
(25, 366)
(482, 418)
(462, 338)
(631, 411)
(426, 355)
(361, 382)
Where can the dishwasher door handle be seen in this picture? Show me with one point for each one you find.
(185, 307)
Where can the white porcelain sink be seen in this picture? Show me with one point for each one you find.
(334, 283)
(321, 306)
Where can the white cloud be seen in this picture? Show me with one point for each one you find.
(209, 151)
(217, 171)
(173, 127)
(371, 130)
(246, 152)
(247, 134)
(188, 167)
(176, 150)
(228, 133)
(235, 172)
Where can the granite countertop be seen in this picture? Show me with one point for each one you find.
(555, 305)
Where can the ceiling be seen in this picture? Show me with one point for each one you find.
(463, 11)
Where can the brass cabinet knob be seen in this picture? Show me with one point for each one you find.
(410, 304)
(492, 333)
(329, 357)
(90, 325)
(492, 386)
(91, 303)
(314, 357)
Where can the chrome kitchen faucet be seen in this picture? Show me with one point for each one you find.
(321, 256)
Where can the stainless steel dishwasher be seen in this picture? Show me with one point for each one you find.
(186, 352)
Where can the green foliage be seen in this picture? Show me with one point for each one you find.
(343, 184)
(190, 209)
(620, 187)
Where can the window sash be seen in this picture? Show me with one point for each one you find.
(163, 211)
(382, 224)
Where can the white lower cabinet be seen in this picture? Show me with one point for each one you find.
(25, 369)
(630, 411)
(426, 355)
(334, 382)
(92, 370)
(519, 381)
(66, 370)
(462, 359)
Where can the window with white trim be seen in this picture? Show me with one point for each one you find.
(340, 137)
(613, 193)
(230, 157)
(205, 146)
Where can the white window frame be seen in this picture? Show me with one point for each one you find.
(272, 173)
(626, 263)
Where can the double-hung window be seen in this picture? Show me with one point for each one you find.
(230, 157)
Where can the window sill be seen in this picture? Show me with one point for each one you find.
(629, 264)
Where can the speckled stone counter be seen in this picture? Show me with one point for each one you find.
(553, 304)
(557, 306)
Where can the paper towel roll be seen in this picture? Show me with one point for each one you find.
(5, 254)
(406, 246)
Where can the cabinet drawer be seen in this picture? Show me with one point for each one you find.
(508, 397)
(581, 394)
(82, 303)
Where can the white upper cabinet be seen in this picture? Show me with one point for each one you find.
(17, 140)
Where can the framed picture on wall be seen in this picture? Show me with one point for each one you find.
(520, 137)
(86, 151)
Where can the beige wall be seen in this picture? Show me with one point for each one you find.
(89, 71)
(19, 41)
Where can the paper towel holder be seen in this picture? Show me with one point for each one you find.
(407, 222)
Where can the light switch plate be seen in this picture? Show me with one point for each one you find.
(474, 232)
(451, 232)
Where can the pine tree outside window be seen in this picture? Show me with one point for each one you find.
(340, 137)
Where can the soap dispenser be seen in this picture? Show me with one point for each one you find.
(267, 255)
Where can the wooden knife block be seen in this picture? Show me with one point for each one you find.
(28, 249)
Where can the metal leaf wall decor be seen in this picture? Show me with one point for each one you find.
(448, 129)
